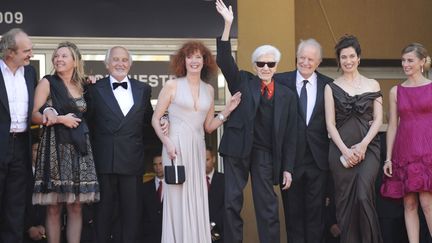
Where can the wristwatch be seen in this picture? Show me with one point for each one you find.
(220, 117)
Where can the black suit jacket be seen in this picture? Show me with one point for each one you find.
(315, 133)
(216, 199)
(151, 218)
(238, 136)
(118, 141)
(5, 119)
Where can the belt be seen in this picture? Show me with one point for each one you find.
(18, 134)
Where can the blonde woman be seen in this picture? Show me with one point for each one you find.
(65, 171)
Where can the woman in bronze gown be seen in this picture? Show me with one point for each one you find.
(353, 106)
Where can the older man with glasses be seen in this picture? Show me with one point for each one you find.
(259, 137)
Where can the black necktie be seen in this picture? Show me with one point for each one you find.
(303, 98)
(116, 84)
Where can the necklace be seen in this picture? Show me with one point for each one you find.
(355, 83)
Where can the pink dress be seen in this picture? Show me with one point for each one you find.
(412, 150)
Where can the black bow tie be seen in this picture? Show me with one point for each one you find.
(116, 84)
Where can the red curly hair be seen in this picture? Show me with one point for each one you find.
(178, 62)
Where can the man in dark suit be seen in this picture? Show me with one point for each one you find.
(304, 201)
(259, 137)
(17, 83)
(216, 188)
(119, 115)
(152, 193)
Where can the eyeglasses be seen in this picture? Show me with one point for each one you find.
(269, 64)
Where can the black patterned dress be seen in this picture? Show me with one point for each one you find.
(62, 173)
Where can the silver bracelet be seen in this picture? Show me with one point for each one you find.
(220, 117)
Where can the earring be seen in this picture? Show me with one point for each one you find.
(358, 62)
(421, 68)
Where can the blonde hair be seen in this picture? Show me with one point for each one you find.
(78, 75)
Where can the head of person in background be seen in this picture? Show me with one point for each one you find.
(309, 57)
(194, 58)
(348, 52)
(265, 59)
(416, 61)
(118, 62)
(210, 160)
(16, 49)
(158, 166)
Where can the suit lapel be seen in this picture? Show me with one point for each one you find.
(107, 95)
(319, 96)
(256, 90)
(279, 109)
(29, 79)
(3, 93)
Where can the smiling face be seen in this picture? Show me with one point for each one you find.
(349, 60)
(308, 60)
(411, 64)
(194, 63)
(118, 63)
(265, 73)
(63, 60)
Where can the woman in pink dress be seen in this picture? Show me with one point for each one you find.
(408, 165)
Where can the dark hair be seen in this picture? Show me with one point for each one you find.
(344, 42)
(178, 64)
(420, 51)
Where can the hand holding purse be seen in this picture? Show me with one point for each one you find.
(174, 174)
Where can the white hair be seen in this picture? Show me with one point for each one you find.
(309, 42)
(266, 49)
(108, 54)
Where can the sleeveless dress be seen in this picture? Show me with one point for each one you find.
(185, 207)
(412, 149)
(355, 187)
(69, 176)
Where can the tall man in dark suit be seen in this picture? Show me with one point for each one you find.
(17, 83)
(304, 201)
(119, 112)
(216, 189)
(152, 193)
(259, 137)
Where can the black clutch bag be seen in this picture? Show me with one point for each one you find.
(174, 174)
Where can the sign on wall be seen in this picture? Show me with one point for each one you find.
(154, 73)
(115, 18)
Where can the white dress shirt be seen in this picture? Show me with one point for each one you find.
(123, 96)
(17, 94)
(311, 88)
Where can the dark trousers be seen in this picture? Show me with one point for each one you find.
(124, 190)
(15, 174)
(260, 166)
(304, 203)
